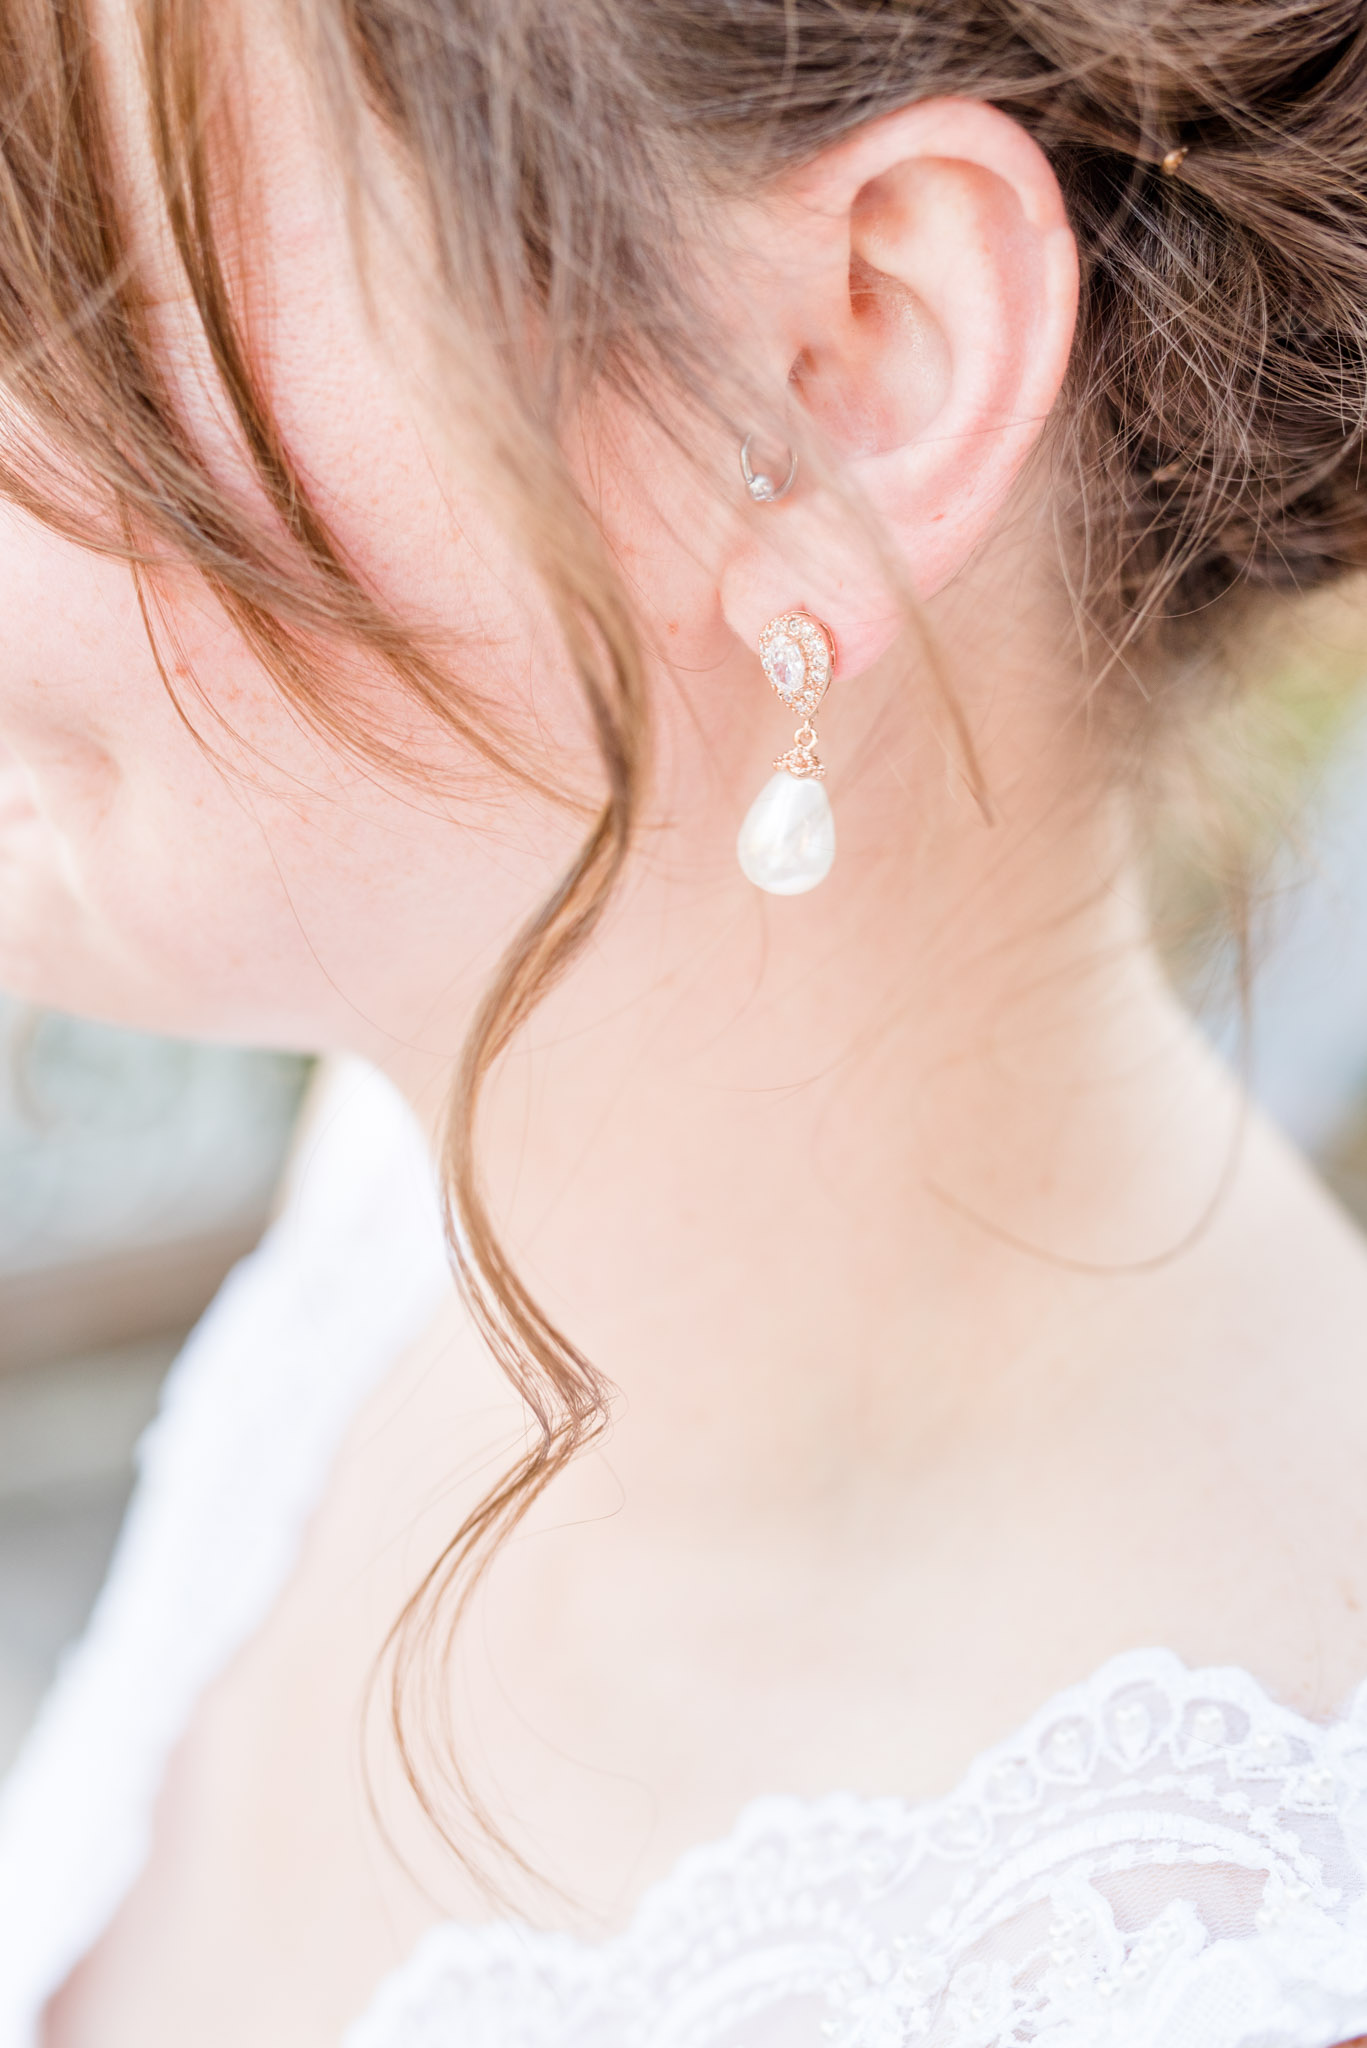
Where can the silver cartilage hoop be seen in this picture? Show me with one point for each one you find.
(762, 488)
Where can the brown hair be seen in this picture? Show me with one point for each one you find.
(1213, 158)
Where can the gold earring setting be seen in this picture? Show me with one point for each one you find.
(787, 843)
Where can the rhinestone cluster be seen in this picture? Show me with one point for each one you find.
(797, 657)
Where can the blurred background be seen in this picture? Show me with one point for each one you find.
(135, 1170)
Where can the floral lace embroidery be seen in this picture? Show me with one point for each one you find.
(1161, 1859)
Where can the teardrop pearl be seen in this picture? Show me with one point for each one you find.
(787, 843)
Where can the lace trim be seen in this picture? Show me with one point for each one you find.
(1160, 1857)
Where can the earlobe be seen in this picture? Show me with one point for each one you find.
(939, 293)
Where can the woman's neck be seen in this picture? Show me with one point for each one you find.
(835, 1167)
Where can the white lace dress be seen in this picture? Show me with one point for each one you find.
(1161, 1858)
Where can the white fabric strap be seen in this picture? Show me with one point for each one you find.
(251, 1418)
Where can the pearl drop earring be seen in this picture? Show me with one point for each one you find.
(787, 843)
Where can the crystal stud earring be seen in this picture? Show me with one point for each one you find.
(787, 843)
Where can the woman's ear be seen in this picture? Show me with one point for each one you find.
(917, 286)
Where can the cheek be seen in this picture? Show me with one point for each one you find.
(143, 888)
(111, 820)
(245, 882)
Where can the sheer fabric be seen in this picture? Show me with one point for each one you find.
(1162, 1858)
